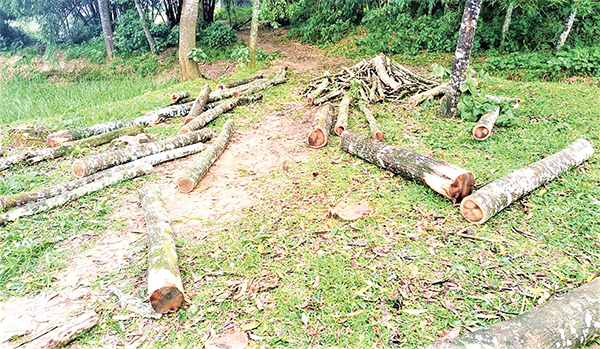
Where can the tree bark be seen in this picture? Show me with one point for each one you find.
(567, 28)
(106, 28)
(164, 281)
(207, 116)
(319, 91)
(566, 322)
(244, 81)
(461, 61)
(187, 40)
(507, 20)
(342, 120)
(62, 335)
(24, 198)
(87, 166)
(253, 34)
(198, 169)
(450, 181)
(379, 63)
(199, 104)
(494, 197)
(483, 128)
(373, 124)
(331, 95)
(177, 97)
(420, 97)
(149, 38)
(319, 133)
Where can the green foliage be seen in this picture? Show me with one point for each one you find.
(12, 38)
(216, 36)
(93, 50)
(241, 55)
(197, 55)
(130, 37)
(473, 105)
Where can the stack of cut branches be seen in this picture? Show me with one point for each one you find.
(380, 79)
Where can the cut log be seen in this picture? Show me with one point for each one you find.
(199, 103)
(178, 96)
(373, 90)
(244, 81)
(164, 281)
(494, 197)
(483, 128)
(379, 63)
(89, 165)
(432, 93)
(319, 133)
(27, 197)
(279, 78)
(198, 169)
(207, 116)
(373, 124)
(319, 91)
(565, 322)
(331, 95)
(342, 120)
(450, 181)
(62, 335)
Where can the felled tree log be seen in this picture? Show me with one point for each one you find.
(279, 78)
(483, 128)
(199, 104)
(319, 133)
(178, 96)
(62, 335)
(207, 116)
(462, 55)
(434, 92)
(566, 322)
(164, 281)
(89, 165)
(379, 63)
(244, 81)
(342, 120)
(198, 169)
(373, 124)
(51, 153)
(319, 91)
(452, 182)
(331, 95)
(494, 197)
(27, 197)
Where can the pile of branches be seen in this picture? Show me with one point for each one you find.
(379, 79)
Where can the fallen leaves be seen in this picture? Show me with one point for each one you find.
(351, 211)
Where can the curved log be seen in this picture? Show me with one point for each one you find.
(342, 120)
(319, 90)
(319, 133)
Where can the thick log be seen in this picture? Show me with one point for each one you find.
(27, 197)
(199, 104)
(178, 96)
(244, 81)
(198, 169)
(432, 93)
(319, 90)
(342, 120)
(483, 128)
(448, 180)
(379, 63)
(89, 165)
(373, 124)
(319, 133)
(64, 334)
(207, 116)
(494, 197)
(164, 281)
(565, 322)
(462, 55)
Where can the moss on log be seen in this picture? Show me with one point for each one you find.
(207, 116)
(319, 133)
(342, 120)
(373, 124)
(240, 82)
(62, 335)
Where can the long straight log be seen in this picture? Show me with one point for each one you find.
(27, 197)
(373, 124)
(494, 197)
(319, 133)
(164, 280)
(434, 92)
(319, 90)
(483, 128)
(89, 165)
(198, 169)
(448, 180)
(565, 322)
(199, 103)
(178, 96)
(279, 78)
(342, 120)
(64, 334)
(331, 95)
(379, 63)
(240, 82)
(207, 116)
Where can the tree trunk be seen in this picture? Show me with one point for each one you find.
(206, 117)
(199, 104)
(373, 124)
(187, 40)
(87, 166)
(28, 197)
(177, 97)
(461, 61)
(319, 133)
(342, 120)
(319, 91)
(164, 281)
(484, 126)
(62, 335)
(253, 34)
(149, 38)
(567, 28)
(244, 81)
(198, 169)
(567, 322)
(494, 197)
(106, 28)
(452, 182)
(507, 20)
(420, 97)
(379, 63)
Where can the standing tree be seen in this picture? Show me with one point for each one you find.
(461, 61)
(253, 33)
(187, 39)
(106, 27)
(140, 11)
(566, 29)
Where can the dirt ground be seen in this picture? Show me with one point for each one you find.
(274, 141)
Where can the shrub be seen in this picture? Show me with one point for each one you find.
(216, 36)
(130, 37)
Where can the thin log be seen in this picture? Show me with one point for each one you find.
(199, 104)
(448, 180)
(198, 169)
(483, 128)
(331, 95)
(207, 116)
(373, 124)
(23, 198)
(178, 96)
(164, 280)
(380, 89)
(89, 165)
(279, 78)
(379, 63)
(403, 69)
(432, 93)
(564, 322)
(494, 197)
(319, 90)
(373, 90)
(64, 334)
(319, 133)
(244, 81)
(342, 120)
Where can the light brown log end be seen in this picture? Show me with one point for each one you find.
(452, 182)
(317, 138)
(462, 186)
(185, 185)
(57, 138)
(78, 169)
(481, 132)
(413, 101)
(175, 97)
(236, 94)
(378, 135)
(184, 130)
(473, 212)
(187, 120)
(309, 100)
(166, 299)
(221, 87)
(339, 130)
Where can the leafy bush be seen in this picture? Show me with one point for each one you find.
(241, 55)
(473, 105)
(12, 38)
(92, 50)
(216, 36)
(130, 37)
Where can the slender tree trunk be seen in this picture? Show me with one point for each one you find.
(507, 20)
(253, 33)
(149, 38)
(379, 63)
(106, 28)
(461, 61)
(187, 40)
(566, 29)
